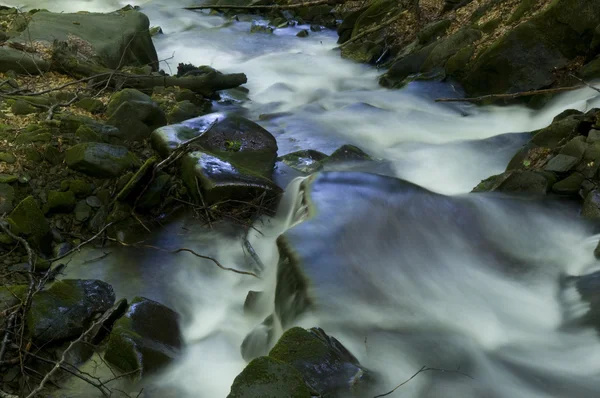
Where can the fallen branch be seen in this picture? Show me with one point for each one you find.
(54, 107)
(584, 82)
(422, 370)
(510, 96)
(78, 247)
(214, 260)
(267, 7)
(373, 29)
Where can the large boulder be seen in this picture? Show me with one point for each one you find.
(114, 40)
(100, 160)
(67, 309)
(145, 339)
(135, 114)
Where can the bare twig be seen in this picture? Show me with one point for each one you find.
(214, 260)
(584, 82)
(54, 107)
(62, 360)
(78, 247)
(423, 369)
(203, 203)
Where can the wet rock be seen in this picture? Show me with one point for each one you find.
(80, 188)
(267, 377)
(155, 31)
(86, 134)
(251, 304)
(113, 39)
(28, 220)
(347, 153)
(219, 180)
(100, 160)
(146, 338)
(551, 136)
(306, 161)
(67, 308)
(91, 105)
(152, 198)
(303, 33)
(522, 181)
(576, 148)
(593, 136)
(135, 114)
(7, 195)
(82, 211)
(433, 30)
(60, 202)
(98, 221)
(238, 140)
(61, 249)
(324, 363)
(257, 27)
(7, 157)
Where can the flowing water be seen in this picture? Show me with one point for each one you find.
(405, 278)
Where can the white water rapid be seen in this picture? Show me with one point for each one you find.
(401, 289)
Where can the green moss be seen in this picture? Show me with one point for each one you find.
(133, 186)
(7, 157)
(233, 146)
(27, 219)
(60, 202)
(297, 344)
(80, 188)
(524, 7)
(266, 377)
(86, 134)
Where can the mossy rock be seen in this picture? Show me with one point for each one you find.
(405, 66)
(53, 156)
(146, 339)
(446, 48)
(67, 308)
(518, 182)
(346, 154)
(152, 198)
(80, 188)
(591, 70)
(7, 195)
(8, 157)
(37, 135)
(266, 377)
(324, 363)
(569, 185)
(8, 178)
(345, 29)
(433, 30)
(524, 7)
(457, 63)
(11, 294)
(378, 11)
(91, 105)
(558, 132)
(70, 123)
(257, 27)
(135, 114)
(366, 51)
(28, 220)
(20, 107)
(87, 134)
(183, 110)
(100, 160)
(60, 202)
(591, 206)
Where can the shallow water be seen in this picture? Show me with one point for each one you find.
(438, 302)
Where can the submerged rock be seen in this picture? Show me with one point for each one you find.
(306, 161)
(146, 338)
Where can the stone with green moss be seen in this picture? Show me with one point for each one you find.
(266, 377)
(324, 363)
(100, 160)
(433, 30)
(257, 27)
(67, 308)
(557, 133)
(53, 156)
(569, 185)
(20, 107)
(36, 135)
(86, 134)
(8, 178)
(135, 114)
(7, 195)
(11, 294)
(28, 220)
(183, 110)
(91, 105)
(60, 202)
(7, 157)
(146, 339)
(80, 188)
(307, 161)
(153, 196)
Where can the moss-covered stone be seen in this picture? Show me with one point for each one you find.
(135, 114)
(569, 185)
(258, 27)
(324, 363)
(28, 220)
(60, 202)
(8, 178)
(86, 134)
(21, 107)
(591, 206)
(80, 188)
(183, 110)
(36, 135)
(433, 30)
(145, 339)
(91, 105)
(557, 133)
(303, 33)
(266, 377)
(7, 157)
(53, 156)
(7, 195)
(307, 161)
(152, 198)
(100, 160)
(67, 308)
